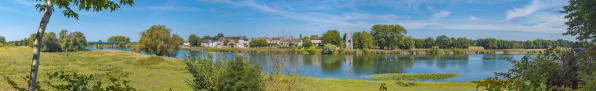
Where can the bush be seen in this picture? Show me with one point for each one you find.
(329, 48)
(365, 50)
(153, 60)
(224, 75)
(78, 82)
(434, 50)
(456, 51)
(121, 45)
(312, 50)
(547, 71)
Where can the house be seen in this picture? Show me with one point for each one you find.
(219, 42)
(206, 43)
(244, 42)
(315, 40)
(265, 38)
(286, 42)
(235, 42)
(186, 43)
(276, 40)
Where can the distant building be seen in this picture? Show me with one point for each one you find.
(186, 43)
(207, 43)
(244, 42)
(315, 40)
(276, 40)
(286, 42)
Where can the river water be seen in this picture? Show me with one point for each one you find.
(473, 67)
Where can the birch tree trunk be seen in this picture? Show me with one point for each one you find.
(36, 44)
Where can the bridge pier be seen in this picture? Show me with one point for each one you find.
(113, 45)
(97, 45)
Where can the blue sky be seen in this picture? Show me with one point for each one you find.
(474, 19)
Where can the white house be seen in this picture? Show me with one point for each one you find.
(186, 43)
(206, 43)
(286, 42)
(315, 40)
(244, 42)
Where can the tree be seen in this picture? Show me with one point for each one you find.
(491, 43)
(99, 41)
(50, 43)
(363, 40)
(407, 43)
(2, 40)
(127, 39)
(332, 37)
(118, 39)
(387, 36)
(232, 45)
(419, 43)
(219, 35)
(225, 42)
(443, 41)
(74, 41)
(300, 36)
(121, 45)
(193, 40)
(307, 43)
(314, 35)
(582, 19)
(207, 37)
(328, 48)
(260, 42)
(430, 42)
(158, 40)
(463, 42)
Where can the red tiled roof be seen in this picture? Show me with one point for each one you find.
(235, 41)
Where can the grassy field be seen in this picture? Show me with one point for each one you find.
(15, 62)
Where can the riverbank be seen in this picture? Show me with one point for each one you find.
(15, 62)
(360, 51)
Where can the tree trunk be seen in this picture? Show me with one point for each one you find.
(36, 44)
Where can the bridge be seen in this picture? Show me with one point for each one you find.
(113, 43)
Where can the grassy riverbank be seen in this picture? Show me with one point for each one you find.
(15, 62)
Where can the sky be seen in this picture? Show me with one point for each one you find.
(473, 19)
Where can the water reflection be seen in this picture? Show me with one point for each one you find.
(474, 67)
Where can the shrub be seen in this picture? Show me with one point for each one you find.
(153, 60)
(121, 45)
(365, 50)
(456, 51)
(329, 48)
(434, 50)
(547, 71)
(224, 75)
(77, 82)
(312, 50)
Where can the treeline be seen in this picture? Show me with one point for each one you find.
(118, 39)
(392, 37)
(73, 41)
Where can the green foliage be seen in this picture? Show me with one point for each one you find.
(225, 74)
(307, 43)
(96, 6)
(194, 40)
(329, 48)
(159, 40)
(76, 82)
(332, 37)
(590, 81)
(121, 45)
(312, 50)
(387, 36)
(430, 42)
(582, 18)
(50, 43)
(232, 45)
(2, 40)
(363, 40)
(99, 41)
(406, 43)
(225, 42)
(550, 69)
(74, 41)
(153, 60)
(457, 51)
(118, 39)
(434, 50)
(443, 42)
(383, 87)
(413, 76)
(260, 42)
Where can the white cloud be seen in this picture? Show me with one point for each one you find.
(474, 18)
(440, 15)
(545, 22)
(536, 5)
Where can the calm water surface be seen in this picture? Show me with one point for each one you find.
(473, 67)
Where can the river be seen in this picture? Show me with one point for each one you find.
(473, 66)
